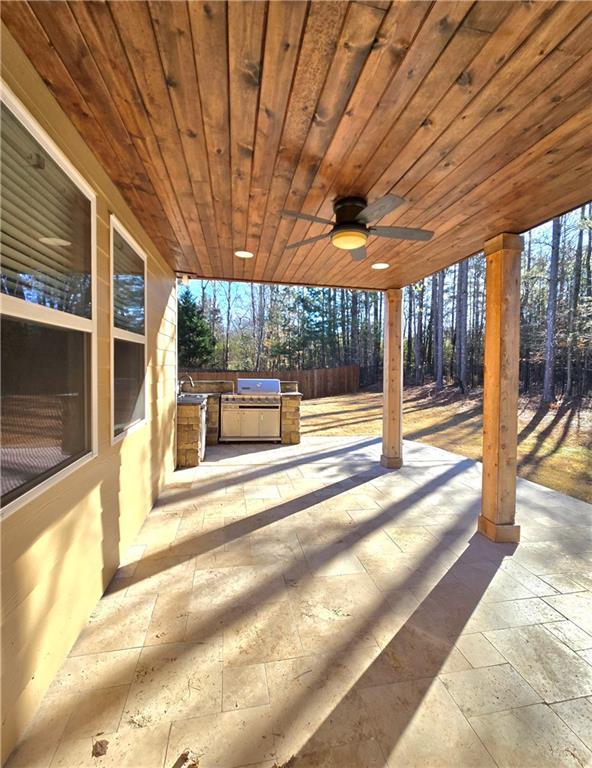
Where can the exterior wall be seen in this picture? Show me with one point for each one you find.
(60, 550)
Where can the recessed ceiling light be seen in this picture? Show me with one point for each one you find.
(55, 241)
(380, 265)
(243, 254)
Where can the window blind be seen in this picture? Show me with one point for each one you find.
(45, 226)
(128, 286)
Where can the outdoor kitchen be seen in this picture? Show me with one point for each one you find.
(253, 410)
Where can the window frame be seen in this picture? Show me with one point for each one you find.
(28, 311)
(120, 334)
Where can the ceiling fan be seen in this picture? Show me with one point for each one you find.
(350, 229)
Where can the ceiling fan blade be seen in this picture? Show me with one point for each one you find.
(402, 233)
(359, 254)
(379, 208)
(305, 216)
(310, 240)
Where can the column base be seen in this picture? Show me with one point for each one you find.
(391, 462)
(500, 533)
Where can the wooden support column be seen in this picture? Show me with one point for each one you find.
(392, 413)
(500, 388)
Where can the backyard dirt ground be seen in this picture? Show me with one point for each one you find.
(554, 449)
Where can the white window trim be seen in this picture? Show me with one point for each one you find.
(23, 310)
(119, 333)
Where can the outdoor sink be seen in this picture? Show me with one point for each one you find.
(190, 398)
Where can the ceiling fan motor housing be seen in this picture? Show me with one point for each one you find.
(349, 234)
(347, 209)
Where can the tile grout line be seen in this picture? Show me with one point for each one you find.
(168, 743)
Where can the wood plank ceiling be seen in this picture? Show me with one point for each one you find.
(212, 117)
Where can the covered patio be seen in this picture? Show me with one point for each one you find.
(305, 601)
(346, 603)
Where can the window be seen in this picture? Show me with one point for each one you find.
(129, 332)
(45, 413)
(46, 297)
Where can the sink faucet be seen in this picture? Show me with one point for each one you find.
(180, 382)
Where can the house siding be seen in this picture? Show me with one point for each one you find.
(60, 550)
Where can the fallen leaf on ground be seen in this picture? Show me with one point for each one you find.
(187, 759)
(100, 748)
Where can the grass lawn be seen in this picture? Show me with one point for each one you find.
(554, 449)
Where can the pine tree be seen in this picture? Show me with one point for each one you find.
(196, 342)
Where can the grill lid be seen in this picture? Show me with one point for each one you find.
(257, 386)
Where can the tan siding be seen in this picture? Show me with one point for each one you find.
(60, 550)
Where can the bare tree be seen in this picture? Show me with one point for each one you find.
(355, 347)
(549, 378)
(589, 255)
(418, 342)
(461, 324)
(259, 321)
(227, 329)
(410, 324)
(573, 306)
(431, 356)
(439, 335)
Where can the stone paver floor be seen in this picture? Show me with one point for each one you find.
(303, 601)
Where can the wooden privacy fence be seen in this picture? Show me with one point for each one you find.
(318, 382)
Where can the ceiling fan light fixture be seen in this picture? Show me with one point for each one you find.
(380, 265)
(349, 239)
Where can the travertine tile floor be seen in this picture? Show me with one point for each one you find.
(302, 601)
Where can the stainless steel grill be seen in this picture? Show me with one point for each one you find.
(253, 413)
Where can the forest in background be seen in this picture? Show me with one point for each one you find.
(235, 326)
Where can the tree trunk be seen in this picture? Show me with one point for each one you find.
(410, 323)
(589, 255)
(366, 332)
(376, 335)
(418, 345)
(461, 325)
(573, 309)
(435, 279)
(526, 325)
(227, 330)
(549, 380)
(344, 342)
(440, 333)
(354, 328)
